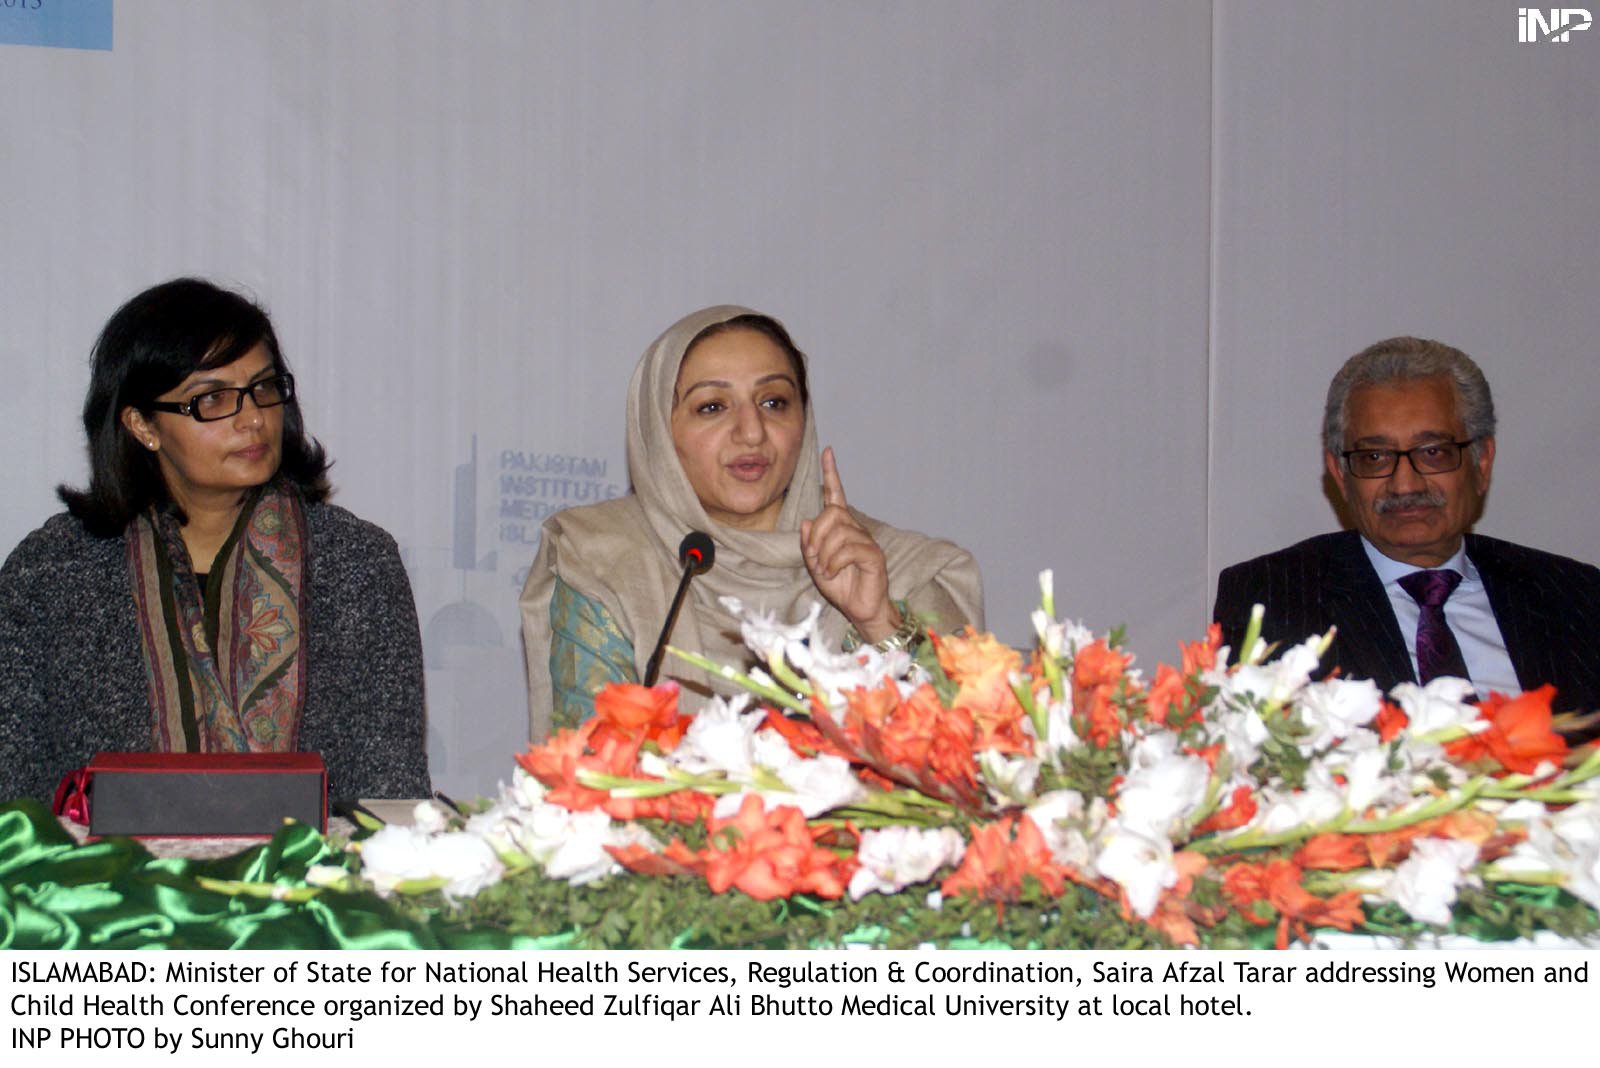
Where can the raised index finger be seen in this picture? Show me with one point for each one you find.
(832, 488)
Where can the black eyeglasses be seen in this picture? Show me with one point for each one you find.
(226, 403)
(1434, 458)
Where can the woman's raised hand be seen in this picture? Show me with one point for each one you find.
(845, 562)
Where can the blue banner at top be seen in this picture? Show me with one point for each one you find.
(56, 23)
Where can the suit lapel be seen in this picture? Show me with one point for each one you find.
(1369, 640)
(1519, 629)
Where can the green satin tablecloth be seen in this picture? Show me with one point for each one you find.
(113, 894)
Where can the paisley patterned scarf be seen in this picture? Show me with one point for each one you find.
(226, 668)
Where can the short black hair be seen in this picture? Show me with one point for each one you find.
(151, 344)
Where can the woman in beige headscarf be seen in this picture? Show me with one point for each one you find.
(721, 439)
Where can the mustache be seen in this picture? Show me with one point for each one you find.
(1402, 501)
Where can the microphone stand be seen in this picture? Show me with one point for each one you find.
(695, 553)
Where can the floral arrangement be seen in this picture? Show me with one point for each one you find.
(1214, 803)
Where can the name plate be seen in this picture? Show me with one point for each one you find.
(206, 794)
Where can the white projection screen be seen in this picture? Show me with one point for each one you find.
(1072, 275)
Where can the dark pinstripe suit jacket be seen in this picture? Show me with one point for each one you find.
(1548, 608)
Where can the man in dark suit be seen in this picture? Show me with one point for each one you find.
(1408, 436)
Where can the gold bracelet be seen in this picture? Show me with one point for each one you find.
(903, 637)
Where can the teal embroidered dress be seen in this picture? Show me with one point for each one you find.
(587, 651)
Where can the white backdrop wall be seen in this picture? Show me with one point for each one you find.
(1072, 276)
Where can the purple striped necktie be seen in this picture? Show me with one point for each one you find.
(1437, 651)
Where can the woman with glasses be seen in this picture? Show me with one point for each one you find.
(722, 439)
(201, 594)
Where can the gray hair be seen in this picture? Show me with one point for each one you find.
(1401, 359)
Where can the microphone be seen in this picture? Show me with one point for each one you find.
(697, 550)
(695, 553)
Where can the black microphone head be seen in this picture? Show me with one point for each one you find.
(696, 551)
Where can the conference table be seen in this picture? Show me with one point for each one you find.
(60, 890)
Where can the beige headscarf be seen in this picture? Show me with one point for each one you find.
(624, 553)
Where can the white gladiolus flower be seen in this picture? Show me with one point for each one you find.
(398, 854)
(525, 791)
(895, 857)
(1335, 709)
(429, 818)
(1141, 864)
(580, 855)
(467, 861)
(1274, 682)
(1058, 725)
(1162, 786)
(1368, 781)
(1060, 638)
(1067, 826)
(1284, 810)
(772, 751)
(1567, 844)
(719, 738)
(765, 633)
(1426, 883)
(1243, 733)
(1010, 779)
(567, 845)
(393, 855)
(1440, 704)
(864, 667)
(820, 784)
(498, 826)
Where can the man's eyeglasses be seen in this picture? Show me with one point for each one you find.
(225, 403)
(1434, 458)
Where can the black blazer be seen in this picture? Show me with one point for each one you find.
(1547, 606)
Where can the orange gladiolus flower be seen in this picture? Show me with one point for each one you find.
(1097, 672)
(1520, 734)
(802, 735)
(773, 854)
(1390, 720)
(981, 667)
(1168, 690)
(870, 708)
(556, 764)
(1097, 664)
(1175, 914)
(1467, 824)
(680, 806)
(1277, 883)
(1000, 855)
(650, 714)
(1104, 719)
(1240, 810)
(1202, 655)
(1334, 852)
(676, 859)
(608, 744)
